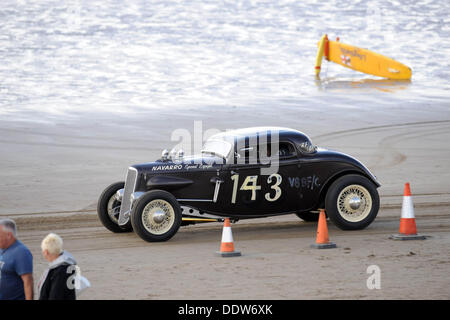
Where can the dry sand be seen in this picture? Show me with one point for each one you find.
(53, 172)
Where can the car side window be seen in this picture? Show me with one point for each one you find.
(284, 150)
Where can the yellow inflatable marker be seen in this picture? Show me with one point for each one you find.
(320, 52)
(362, 60)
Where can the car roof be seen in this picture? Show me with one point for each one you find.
(251, 133)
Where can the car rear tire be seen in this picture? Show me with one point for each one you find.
(156, 216)
(108, 208)
(352, 202)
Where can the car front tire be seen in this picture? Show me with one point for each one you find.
(156, 216)
(108, 208)
(352, 202)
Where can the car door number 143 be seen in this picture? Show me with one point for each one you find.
(251, 184)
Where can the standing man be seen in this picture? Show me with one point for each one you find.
(16, 265)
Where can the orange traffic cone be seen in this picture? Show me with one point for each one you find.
(227, 244)
(322, 240)
(407, 230)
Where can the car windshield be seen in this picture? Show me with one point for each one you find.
(217, 147)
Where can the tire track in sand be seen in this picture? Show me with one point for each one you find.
(387, 154)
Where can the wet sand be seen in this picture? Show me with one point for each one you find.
(276, 263)
(53, 172)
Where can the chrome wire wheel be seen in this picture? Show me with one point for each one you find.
(354, 203)
(158, 216)
(113, 209)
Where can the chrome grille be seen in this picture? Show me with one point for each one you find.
(130, 186)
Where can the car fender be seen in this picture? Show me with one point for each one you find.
(337, 175)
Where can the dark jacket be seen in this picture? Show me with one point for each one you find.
(57, 285)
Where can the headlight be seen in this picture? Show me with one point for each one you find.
(165, 154)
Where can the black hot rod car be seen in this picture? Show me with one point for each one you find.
(244, 173)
